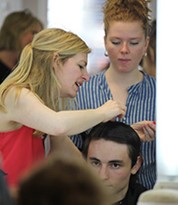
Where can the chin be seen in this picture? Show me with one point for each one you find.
(68, 95)
(72, 95)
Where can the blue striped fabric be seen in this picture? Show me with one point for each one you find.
(140, 106)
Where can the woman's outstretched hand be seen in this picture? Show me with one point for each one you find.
(145, 129)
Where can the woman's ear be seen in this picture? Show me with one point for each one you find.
(105, 43)
(137, 165)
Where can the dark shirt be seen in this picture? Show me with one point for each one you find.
(4, 71)
(132, 195)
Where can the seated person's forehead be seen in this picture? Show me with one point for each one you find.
(107, 149)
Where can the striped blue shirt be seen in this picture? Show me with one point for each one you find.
(140, 106)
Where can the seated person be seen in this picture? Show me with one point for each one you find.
(61, 180)
(113, 150)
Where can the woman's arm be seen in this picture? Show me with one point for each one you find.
(64, 147)
(29, 111)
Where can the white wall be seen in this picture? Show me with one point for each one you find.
(37, 7)
(7, 6)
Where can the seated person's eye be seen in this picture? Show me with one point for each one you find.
(95, 163)
(115, 165)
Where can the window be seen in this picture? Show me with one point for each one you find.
(83, 17)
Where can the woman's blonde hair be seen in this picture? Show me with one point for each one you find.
(34, 70)
(14, 26)
(127, 10)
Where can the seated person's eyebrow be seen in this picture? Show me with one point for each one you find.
(94, 159)
(116, 161)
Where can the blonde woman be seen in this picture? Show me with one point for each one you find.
(51, 68)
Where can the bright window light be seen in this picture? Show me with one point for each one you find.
(167, 94)
(83, 17)
(65, 14)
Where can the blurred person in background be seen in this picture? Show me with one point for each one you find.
(61, 181)
(16, 32)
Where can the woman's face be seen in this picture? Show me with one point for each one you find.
(126, 44)
(72, 74)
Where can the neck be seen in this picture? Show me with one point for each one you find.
(9, 58)
(120, 195)
(123, 79)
